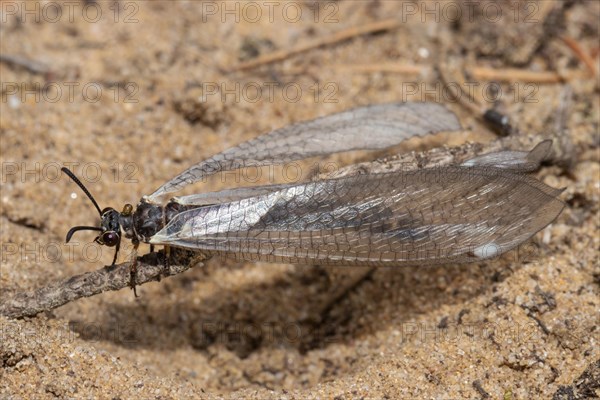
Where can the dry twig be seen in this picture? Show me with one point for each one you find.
(478, 73)
(515, 75)
(581, 54)
(117, 277)
(337, 37)
(390, 67)
(32, 66)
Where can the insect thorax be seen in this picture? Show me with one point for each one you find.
(150, 218)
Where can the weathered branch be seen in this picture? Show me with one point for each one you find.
(337, 37)
(29, 65)
(561, 155)
(149, 268)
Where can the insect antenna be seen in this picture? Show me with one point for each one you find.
(81, 228)
(78, 182)
(89, 195)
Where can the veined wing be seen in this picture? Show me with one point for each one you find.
(519, 161)
(365, 128)
(423, 217)
(515, 161)
(229, 195)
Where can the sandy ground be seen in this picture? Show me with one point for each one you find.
(131, 93)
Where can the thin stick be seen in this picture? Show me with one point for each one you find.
(346, 288)
(391, 67)
(337, 37)
(580, 53)
(515, 74)
(449, 75)
(88, 284)
(562, 154)
(32, 66)
(477, 386)
(479, 73)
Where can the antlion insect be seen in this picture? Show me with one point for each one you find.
(452, 214)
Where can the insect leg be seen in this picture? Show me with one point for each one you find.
(116, 253)
(133, 268)
(167, 257)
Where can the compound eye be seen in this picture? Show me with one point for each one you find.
(110, 239)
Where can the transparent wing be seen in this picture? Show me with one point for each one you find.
(228, 195)
(423, 217)
(366, 128)
(521, 161)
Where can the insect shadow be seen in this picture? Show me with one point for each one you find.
(295, 307)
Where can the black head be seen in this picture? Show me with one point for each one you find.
(110, 228)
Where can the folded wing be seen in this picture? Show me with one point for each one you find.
(423, 217)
